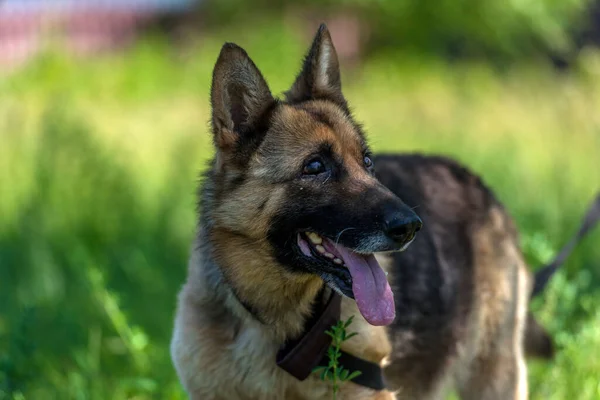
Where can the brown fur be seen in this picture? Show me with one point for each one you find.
(241, 303)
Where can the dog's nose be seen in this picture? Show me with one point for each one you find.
(402, 228)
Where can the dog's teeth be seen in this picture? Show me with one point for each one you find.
(337, 261)
(320, 249)
(386, 273)
(329, 255)
(316, 239)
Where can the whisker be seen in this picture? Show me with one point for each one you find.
(337, 239)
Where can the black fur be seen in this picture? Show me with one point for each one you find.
(432, 281)
(323, 205)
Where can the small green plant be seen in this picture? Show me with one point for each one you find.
(334, 372)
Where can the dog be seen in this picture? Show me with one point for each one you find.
(295, 210)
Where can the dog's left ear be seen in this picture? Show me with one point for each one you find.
(320, 75)
(240, 98)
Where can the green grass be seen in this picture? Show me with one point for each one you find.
(98, 167)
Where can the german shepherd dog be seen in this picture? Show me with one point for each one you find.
(293, 211)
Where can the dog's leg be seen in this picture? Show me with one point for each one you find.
(419, 377)
(496, 377)
(493, 365)
(498, 371)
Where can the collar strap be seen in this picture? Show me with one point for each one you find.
(371, 376)
(299, 357)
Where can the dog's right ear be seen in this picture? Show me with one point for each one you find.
(320, 75)
(239, 97)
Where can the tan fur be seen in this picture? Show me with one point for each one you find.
(371, 343)
(298, 133)
(492, 362)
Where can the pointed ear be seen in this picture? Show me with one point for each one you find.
(239, 97)
(320, 75)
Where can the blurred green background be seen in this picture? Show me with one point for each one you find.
(99, 159)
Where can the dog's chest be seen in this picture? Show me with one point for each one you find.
(253, 373)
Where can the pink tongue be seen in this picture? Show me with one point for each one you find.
(371, 289)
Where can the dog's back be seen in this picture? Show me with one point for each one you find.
(461, 290)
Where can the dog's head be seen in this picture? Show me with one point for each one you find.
(296, 177)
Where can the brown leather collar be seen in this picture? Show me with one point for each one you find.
(299, 357)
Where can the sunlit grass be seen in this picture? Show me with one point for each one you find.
(98, 165)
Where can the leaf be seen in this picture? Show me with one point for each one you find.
(330, 352)
(344, 374)
(354, 375)
(317, 369)
(351, 335)
(329, 374)
(349, 321)
(324, 374)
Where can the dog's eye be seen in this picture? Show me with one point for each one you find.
(368, 162)
(313, 167)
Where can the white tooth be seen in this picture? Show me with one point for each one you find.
(316, 239)
(386, 273)
(337, 261)
(329, 255)
(320, 248)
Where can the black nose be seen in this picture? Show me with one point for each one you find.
(402, 228)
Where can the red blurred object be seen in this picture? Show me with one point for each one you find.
(88, 28)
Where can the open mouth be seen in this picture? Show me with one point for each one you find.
(370, 287)
(315, 246)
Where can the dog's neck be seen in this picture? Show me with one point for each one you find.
(243, 278)
(241, 274)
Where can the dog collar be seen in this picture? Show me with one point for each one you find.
(299, 357)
